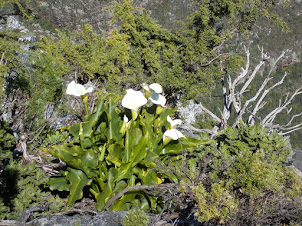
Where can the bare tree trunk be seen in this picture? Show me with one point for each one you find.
(233, 98)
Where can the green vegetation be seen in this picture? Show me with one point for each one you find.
(237, 178)
(7, 143)
(21, 188)
(109, 154)
(20, 6)
(134, 217)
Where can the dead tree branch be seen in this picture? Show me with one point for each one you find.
(233, 97)
(136, 187)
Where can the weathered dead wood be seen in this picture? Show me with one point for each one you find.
(233, 97)
(136, 187)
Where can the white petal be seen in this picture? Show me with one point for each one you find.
(72, 89)
(133, 99)
(89, 90)
(175, 123)
(158, 99)
(173, 134)
(126, 119)
(81, 89)
(145, 87)
(157, 88)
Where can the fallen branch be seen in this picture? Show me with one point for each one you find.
(78, 211)
(136, 187)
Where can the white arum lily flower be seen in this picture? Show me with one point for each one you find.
(174, 123)
(156, 88)
(158, 99)
(133, 100)
(77, 89)
(171, 134)
(153, 88)
(145, 87)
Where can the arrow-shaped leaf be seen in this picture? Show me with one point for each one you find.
(77, 180)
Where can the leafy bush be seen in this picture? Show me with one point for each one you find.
(110, 153)
(51, 137)
(21, 188)
(139, 50)
(7, 142)
(239, 179)
(134, 217)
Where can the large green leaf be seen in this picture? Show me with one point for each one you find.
(150, 177)
(114, 122)
(107, 190)
(115, 153)
(133, 136)
(138, 153)
(94, 117)
(150, 159)
(58, 182)
(77, 180)
(76, 157)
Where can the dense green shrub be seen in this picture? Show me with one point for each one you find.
(51, 137)
(21, 188)
(240, 179)
(7, 142)
(140, 50)
(134, 217)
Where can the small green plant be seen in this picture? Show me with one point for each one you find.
(135, 217)
(21, 188)
(51, 137)
(109, 152)
(7, 142)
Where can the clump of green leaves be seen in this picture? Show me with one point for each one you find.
(214, 203)
(134, 217)
(21, 188)
(108, 154)
(51, 137)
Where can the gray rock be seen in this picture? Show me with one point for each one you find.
(190, 112)
(64, 120)
(297, 160)
(59, 220)
(14, 24)
(28, 38)
(106, 218)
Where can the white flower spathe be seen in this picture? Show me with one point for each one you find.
(126, 119)
(77, 89)
(153, 88)
(173, 134)
(174, 123)
(133, 100)
(158, 99)
(156, 88)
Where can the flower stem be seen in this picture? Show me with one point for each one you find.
(85, 100)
